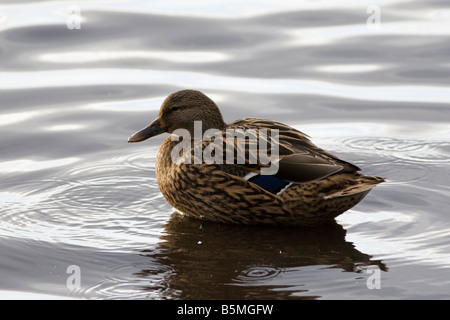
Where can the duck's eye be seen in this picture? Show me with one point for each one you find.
(176, 108)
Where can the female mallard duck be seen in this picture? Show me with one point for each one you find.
(311, 186)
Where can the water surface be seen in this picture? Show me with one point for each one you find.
(73, 192)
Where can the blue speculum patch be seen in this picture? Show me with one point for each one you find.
(270, 183)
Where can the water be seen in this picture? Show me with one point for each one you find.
(73, 192)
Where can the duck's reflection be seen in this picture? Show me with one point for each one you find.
(216, 261)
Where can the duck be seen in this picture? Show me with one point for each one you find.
(307, 186)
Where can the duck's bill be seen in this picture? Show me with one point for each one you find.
(153, 129)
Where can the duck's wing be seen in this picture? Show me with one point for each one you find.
(299, 160)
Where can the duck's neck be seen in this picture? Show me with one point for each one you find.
(214, 123)
(199, 127)
(205, 123)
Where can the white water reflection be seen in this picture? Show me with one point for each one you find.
(343, 129)
(65, 127)
(29, 165)
(194, 80)
(56, 12)
(409, 249)
(328, 35)
(18, 295)
(149, 104)
(7, 119)
(94, 56)
(349, 68)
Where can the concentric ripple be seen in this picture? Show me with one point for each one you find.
(257, 273)
(131, 281)
(406, 149)
(94, 203)
(401, 160)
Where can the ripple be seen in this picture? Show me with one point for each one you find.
(28, 165)
(89, 56)
(103, 204)
(202, 81)
(141, 159)
(349, 68)
(415, 150)
(67, 198)
(145, 280)
(401, 160)
(257, 273)
(427, 247)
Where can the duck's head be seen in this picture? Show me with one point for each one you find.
(179, 111)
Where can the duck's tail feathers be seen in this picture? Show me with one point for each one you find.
(360, 184)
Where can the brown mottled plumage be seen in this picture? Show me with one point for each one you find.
(318, 185)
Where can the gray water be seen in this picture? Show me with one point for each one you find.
(75, 82)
